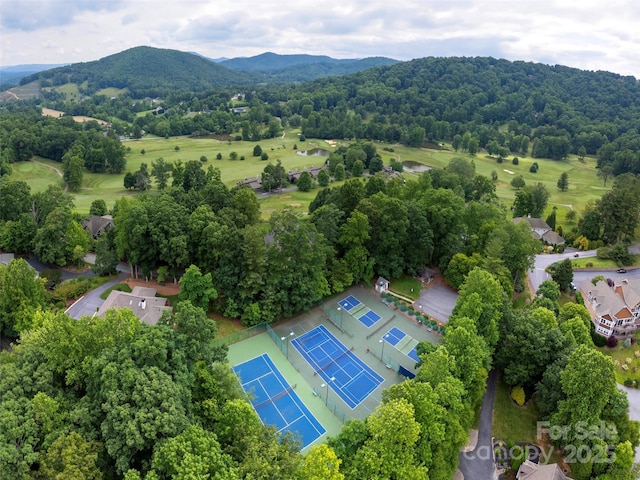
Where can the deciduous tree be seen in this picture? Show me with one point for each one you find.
(197, 288)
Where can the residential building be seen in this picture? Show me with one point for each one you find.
(541, 230)
(532, 471)
(97, 225)
(615, 309)
(142, 301)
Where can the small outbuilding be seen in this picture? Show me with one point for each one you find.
(382, 285)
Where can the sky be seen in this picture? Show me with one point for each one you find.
(586, 34)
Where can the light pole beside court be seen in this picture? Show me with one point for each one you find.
(326, 385)
(285, 340)
(382, 349)
(340, 310)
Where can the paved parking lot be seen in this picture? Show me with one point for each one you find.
(437, 300)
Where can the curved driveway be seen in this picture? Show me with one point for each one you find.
(91, 301)
(478, 464)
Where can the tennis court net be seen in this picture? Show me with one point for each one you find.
(333, 360)
(277, 396)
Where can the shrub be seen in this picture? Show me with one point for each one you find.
(627, 342)
(219, 156)
(515, 161)
(612, 341)
(534, 168)
(628, 382)
(177, 148)
(598, 340)
(203, 159)
(499, 160)
(403, 307)
(517, 394)
(264, 156)
(142, 151)
(589, 264)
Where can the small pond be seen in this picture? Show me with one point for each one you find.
(318, 152)
(413, 166)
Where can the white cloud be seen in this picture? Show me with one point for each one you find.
(580, 34)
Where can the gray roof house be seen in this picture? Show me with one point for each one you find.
(254, 183)
(541, 230)
(97, 225)
(142, 301)
(615, 310)
(532, 471)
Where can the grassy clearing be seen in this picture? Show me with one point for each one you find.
(601, 263)
(29, 90)
(512, 423)
(406, 286)
(121, 287)
(38, 175)
(226, 326)
(583, 183)
(112, 91)
(620, 354)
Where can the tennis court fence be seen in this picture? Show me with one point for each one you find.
(239, 336)
(303, 367)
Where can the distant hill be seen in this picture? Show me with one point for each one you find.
(11, 75)
(299, 68)
(148, 71)
(145, 71)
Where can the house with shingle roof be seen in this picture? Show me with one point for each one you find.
(254, 183)
(96, 225)
(615, 310)
(541, 230)
(142, 301)
(533, 471)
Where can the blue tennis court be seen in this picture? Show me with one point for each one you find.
(401, 340)
(349, 303)
(369, 318)
(275, 402)
(394, 335)
(359, 310)
(347, 375)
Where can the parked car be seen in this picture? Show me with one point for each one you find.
(610, 282)
(621, 270)
(576, 255)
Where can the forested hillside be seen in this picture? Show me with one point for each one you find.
(145, 71)
(551, 110)
(300, 68)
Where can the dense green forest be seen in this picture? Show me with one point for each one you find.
(301, 68)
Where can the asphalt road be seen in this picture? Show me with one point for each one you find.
(538, 275)
(91, 301)
(633, 395)
(479, 464)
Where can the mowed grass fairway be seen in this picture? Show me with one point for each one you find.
(584, 186)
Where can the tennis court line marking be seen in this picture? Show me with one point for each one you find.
(336, 386)
(303, 409)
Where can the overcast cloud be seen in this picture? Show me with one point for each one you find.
(587, 34)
